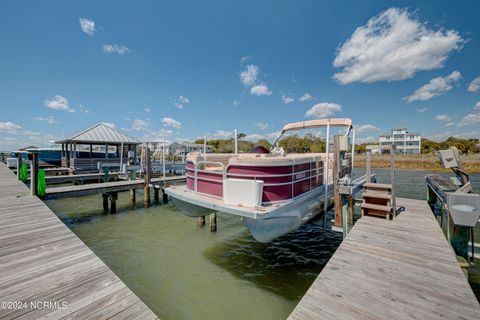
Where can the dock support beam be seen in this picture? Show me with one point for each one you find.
(201, 222)
(105, 202)
(146, 185)
(213, 222)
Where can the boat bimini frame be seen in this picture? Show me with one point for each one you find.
(322, 123)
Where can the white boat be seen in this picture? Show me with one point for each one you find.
(274, 192)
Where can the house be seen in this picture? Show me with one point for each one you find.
(181, 149)
(374, 148)
(404, 141)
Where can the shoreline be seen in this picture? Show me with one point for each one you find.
(471, 162)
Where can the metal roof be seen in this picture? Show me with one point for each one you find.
(100, 133)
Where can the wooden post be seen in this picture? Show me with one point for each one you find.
(19, 164)
(351, 209)
(336, 177)
(367, 167)
(201, 222)
(165, 196)
(105, 202)
(113, 202)
(155, 194)
(133, 197)
(392, 181)
(34, 174)
(213, 222)
(146, 175)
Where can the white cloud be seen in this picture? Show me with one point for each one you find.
(477, 106)
(439, 136)
(323, 110)
(369, 139)
(220, 134)
(170, 122)
(83, 109)
(443, 117)
(450, 124)
(469, 119)
(9, 126)
(58, 103)
(436, 87)
(423, 109)
(87, 25)
(49, 120)
(261, 125)
(245, 59)
(366, 128)
(474, 134)
(305, 97)
(260, 90)
(236, 103)
(249, 75)
(474, 85)
(181, 101)
(147, 110)
(255, 136)
(393, 45)
(115, 48)
(287, 99)
(139, 125)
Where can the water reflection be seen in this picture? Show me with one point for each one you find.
(299, 255)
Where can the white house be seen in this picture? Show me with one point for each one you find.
(404, 141)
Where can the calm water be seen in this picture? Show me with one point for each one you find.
(184, 272)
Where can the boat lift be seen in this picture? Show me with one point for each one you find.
(454, 201)
(343, 182)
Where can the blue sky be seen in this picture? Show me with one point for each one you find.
(182, 69)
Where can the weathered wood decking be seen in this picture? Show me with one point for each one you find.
(105, 187)
(400, 269)
(41, 260)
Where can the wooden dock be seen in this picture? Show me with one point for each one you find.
(106, 187)
(47, 272)
(400, 269)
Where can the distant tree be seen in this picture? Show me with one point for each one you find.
(264, 143)
(240, 136)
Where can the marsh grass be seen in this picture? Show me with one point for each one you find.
(471, 162)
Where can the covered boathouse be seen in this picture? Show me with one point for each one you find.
(99, 143)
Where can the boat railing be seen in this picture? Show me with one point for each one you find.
(196, 171)
(311, 173)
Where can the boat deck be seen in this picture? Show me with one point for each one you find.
(400, 269)
(42, 261)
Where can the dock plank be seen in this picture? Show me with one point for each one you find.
(400, 269)
(42, 260)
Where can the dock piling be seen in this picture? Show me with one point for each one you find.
(34, 174)
(213, 222)
(201, 222)
(19, 164)
(146, 185)
(105, 202)
(113, 202)
(164, 196)
(155, 194)
(133, 197)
